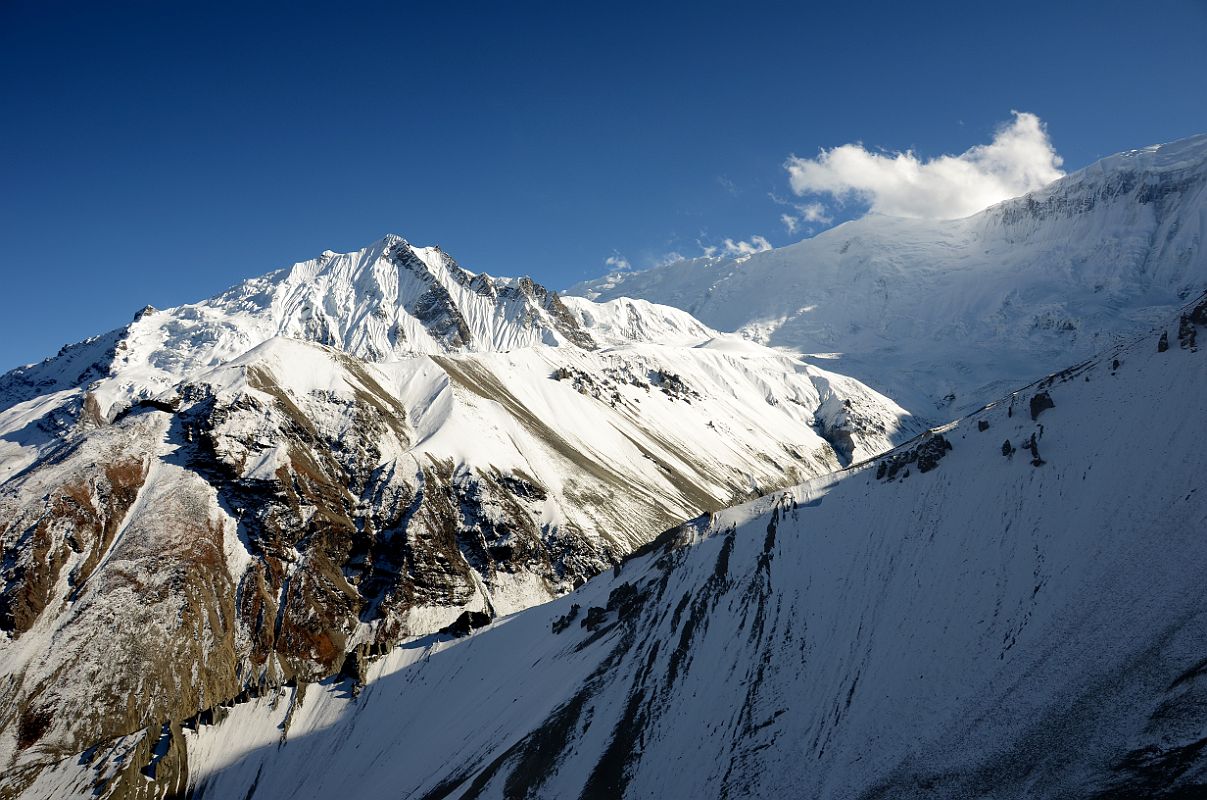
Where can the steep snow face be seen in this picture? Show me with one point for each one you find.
(625, 320)
(1008, 606)
(941, 315)
(286, 515)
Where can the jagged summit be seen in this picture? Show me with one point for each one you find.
(393, 298)
(940, 314)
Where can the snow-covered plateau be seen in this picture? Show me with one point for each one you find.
(941, 315)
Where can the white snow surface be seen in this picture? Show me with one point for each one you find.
(988, 628)
(940, 315)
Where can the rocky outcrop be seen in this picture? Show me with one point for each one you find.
(1040, 402)
(925, 455)
(1188, 323)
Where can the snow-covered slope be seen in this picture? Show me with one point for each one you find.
(1010, 606)
(253, 491)
(941, 315)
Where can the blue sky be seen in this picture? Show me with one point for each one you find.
(157, 152)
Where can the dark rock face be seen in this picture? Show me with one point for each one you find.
(1187, 336)
(525, 300)
(982, 425)
(532, 294)
(413, 545)
(442, 319)
(1032, 444)
(1163, 342)
(926, 455)
(931, 451)
(672, 386)
(468, 622)
(435, 308)
(623, 603)
(595, 617)
(1189, 322)
(560, 624)
(1040, 403)
(82, 516)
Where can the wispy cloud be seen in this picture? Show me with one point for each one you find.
(1020, 158)
(803, 216)
(815, 213)
(617, 261)
(757, 244)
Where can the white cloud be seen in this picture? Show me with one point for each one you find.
(1019, 159)
(757, 244)
(814, 212)
(617, 261)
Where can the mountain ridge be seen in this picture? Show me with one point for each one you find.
(939, 314)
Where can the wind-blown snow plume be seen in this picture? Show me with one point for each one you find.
(1020, 159)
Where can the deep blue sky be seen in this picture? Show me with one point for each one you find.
(157, 152)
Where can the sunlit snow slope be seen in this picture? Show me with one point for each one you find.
(1009, 607)
(941, 314)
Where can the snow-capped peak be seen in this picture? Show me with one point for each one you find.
(385, 302)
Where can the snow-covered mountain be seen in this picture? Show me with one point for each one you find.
(242, 541)
(270, 487)
(387, 301)
(942, 314)
(1008, 606)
